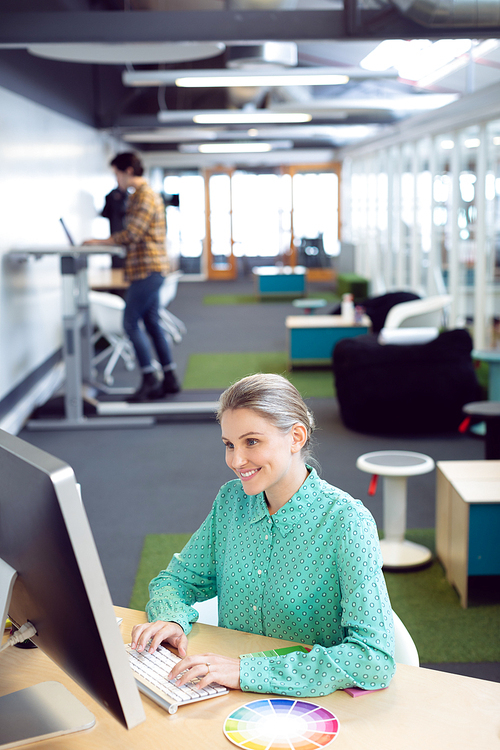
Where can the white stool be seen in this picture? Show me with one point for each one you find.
(395, 467)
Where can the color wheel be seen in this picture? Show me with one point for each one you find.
(281, 724)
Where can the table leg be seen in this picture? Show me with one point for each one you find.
(398, 552)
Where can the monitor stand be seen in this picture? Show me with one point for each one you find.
(40, 712)
(37, 712)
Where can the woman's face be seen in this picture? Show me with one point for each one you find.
(262, 457)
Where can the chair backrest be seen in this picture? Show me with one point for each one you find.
(405, 651)
(168, 289)
(106, 312)
(209, 611)
(418, 313)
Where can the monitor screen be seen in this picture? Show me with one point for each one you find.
(60, 587)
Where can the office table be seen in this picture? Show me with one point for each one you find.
(468, 521)
(77, 354)
(420, 709)
(107, 280)
(311, 338)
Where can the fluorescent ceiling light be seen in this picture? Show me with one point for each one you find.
(233, 148)
(321, 79)
(170, 135)
(252, 118)
(256, 77)
(472, 143)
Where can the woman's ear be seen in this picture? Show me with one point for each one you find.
(299, 437)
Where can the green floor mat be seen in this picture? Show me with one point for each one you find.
(430, 608)
(252, 299)
(156, 554)
(219, 370)
(425, 602)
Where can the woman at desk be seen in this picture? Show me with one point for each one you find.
(287, 554)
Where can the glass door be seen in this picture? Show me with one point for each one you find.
(315, 220)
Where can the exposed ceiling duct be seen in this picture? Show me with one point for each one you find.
(451, 13)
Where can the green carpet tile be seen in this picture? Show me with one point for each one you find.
(252, 299)
(219, 370)
(424, 600)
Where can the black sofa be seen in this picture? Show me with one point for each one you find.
(405, 389)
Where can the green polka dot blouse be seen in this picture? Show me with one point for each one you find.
(309, 573)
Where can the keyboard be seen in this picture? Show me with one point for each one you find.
(151, 671)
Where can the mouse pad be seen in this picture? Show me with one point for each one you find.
(281, 724)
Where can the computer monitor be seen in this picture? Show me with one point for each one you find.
(45, 538)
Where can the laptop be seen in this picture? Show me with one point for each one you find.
(67, 232)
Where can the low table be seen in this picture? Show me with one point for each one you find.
(311, 338)
(468, 521)
(490, 412)
(309, 305)
(396, 467)
(492, 357)
(273, 281)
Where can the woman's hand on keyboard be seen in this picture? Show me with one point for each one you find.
(208, 668)
(157, 632)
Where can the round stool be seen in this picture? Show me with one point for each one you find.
(395, 467)
(309, 305)
(490, 412)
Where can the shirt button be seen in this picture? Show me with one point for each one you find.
(266, 537)
(259, 572)
(254, 608)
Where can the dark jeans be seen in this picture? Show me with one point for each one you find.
(142, 303)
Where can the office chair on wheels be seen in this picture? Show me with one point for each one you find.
(106, 312)
(172, 325)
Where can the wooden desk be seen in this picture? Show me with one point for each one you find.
(420, 709)
(468, 520)
(107, 280)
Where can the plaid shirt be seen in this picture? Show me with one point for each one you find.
(144, 235)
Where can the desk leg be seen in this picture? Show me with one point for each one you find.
(72, 351)
(85, 330)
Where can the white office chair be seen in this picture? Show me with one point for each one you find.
(209, 611)
(405, 649)
(418, 313)
(106, 313)
(172, 325)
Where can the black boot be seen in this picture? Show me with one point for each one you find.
(170, 383)
(150, 388)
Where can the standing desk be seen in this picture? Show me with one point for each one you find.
(77, 354)
(422, 708)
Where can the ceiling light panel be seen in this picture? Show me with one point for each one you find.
(256, 77)
(256, 80)
(252, 118)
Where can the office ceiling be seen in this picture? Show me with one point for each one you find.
(78, 57)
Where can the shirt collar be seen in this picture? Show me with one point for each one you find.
(294, 510)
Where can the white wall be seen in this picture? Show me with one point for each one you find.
(50, 166)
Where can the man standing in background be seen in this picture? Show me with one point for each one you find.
(146, 265)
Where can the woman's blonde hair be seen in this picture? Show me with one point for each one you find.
(274, 398)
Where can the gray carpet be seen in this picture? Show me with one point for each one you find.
(164, 478)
